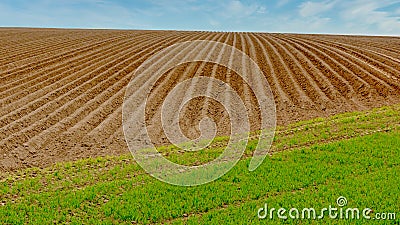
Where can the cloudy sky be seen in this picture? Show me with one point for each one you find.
(379, 17)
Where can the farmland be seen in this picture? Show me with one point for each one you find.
(61, 91)
(64, 158)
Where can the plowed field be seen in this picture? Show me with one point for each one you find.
(61, 91)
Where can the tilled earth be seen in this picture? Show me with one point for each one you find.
(61, 91)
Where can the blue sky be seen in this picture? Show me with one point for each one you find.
(374, 17)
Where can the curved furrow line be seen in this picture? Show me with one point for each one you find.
(341, 84)
(45, 104)
(66, 110)
(157, 97)
(87, 120)
(228, 79)
(15, 72)
(291, 87)
(25, 32)
(189, 71)
(250, 100)
(11, 74)
(100, 105)
(66, 79)
(388, 50)
(263, 60)
(37, 47)
(39, 79)
(387, 45)
(52, 76)
(362, 88)
(192, 70)
(225, 75)
(17, 56)
(37, 56)
(9, 39)
(380, 77)
(159, 90)
(35, 42)
(32, 54)
(368, 43)
(391, 71)
(6, 33)
(246, 71)
(108, 127)
(18, 73)
(66, 62)
(116, 136)
(383, 88)
(387, 63)
(364, 49)
(310, 87)
(208, 70)
(91, 114)
(316, 74)
(33, 37)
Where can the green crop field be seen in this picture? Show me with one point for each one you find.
(312, 163)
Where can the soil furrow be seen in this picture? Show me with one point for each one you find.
(373, 82)
(285, 77)
(72, 79)
(314, 72)
(264, 62)
(11, 74)
(40, 126)
(37, 48)
(375, 76)
(312, 90)
(62, 90)
(97, 77)
(361, 87)
(42, 79)
(108, 127)
(372, 58)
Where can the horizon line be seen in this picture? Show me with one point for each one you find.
(199, 30)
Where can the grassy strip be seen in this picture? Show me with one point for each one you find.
(340, 166)
(361, 169)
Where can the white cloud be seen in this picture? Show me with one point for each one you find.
(237, 8)
(366, 14)
(231, 15)
(309, 8)
(281, 3)
(312, 16)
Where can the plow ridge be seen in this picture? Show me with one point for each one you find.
(41, 79)
(78, 95)
(33, 49)
(357, 69)
(62, 91)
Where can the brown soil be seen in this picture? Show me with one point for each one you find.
(61, 91)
